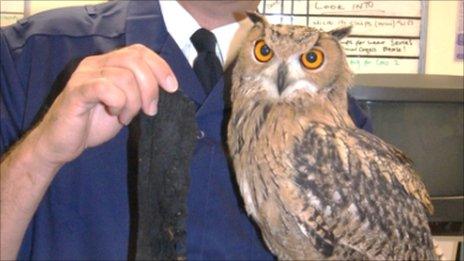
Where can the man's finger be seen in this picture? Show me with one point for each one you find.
(159, 67)
(126, 81)
(100, 90)
(133, 59)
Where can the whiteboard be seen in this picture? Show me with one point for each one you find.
(386, 35)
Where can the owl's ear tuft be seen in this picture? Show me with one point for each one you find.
(341, 33)
(256, 18)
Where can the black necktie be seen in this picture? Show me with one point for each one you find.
(207, 65)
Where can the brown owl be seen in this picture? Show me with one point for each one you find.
(317, 186)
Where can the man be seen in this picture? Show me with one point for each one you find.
(64, 189)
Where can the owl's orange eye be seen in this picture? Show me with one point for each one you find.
(262, 52)
(312, 59)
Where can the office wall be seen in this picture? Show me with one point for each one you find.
(441, 37)
(441, 30)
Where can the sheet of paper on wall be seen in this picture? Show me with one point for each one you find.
(460, 33)
(385, 37)
(11, 11)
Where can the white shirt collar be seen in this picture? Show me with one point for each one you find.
(181, 25)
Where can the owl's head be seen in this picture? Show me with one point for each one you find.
(279, 62)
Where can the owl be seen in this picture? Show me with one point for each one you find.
(317, 186)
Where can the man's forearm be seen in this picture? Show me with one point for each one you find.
(103, 94)
(24, 178)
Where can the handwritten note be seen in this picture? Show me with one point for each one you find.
(383, 46)
(385, 37)
(383, 65)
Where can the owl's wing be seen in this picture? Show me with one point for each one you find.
(358, 193)
(401, 166)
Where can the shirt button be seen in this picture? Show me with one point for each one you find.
(200, 135)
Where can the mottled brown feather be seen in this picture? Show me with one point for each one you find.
(318, 187)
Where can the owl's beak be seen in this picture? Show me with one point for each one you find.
(282, 73)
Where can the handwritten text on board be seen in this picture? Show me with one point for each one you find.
(385, 36)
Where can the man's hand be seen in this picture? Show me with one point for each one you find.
(102, 95)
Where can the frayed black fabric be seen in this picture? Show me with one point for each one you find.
(165, 147)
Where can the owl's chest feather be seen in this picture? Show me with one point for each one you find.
(261, 142)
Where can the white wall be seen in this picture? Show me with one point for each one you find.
(441, 37)
(441, 30)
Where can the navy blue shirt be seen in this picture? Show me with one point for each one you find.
(85, 212)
